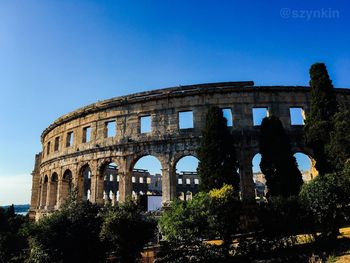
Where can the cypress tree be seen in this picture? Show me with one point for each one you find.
(217, 159)
(278, 164)
(318, 123)
(338, 149)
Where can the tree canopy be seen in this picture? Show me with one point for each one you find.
(318, 123)
(278, 164)
(338, 148)
(217, 159)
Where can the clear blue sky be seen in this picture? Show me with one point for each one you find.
(56, 56)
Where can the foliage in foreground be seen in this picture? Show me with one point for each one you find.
(12, 239)
(327, 199)
(68, 235)
(207, 216)
(185, 252)
(85, 232)
(126, 230)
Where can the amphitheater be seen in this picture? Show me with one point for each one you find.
(78, 150)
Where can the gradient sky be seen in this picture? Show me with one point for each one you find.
(56, 56)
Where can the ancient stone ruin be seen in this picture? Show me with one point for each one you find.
(79, 150)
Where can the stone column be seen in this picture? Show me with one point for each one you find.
(246, 178)
(43, 195)
(99, 189)
(52, 195)
(168, 184)
(59, 193)
(125, 181)
(114, 199)
(125, 186)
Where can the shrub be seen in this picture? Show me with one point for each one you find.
(126, 230)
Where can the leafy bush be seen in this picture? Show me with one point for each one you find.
(126, 230)
(68, 235)
(12, 239)
(187, 221)
(327, 199)
(181, 252)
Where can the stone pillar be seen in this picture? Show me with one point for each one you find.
(114, 199)
(99, 189)
(246, 178)
(93, 188)
(125, 186)
(52, 195)
(59, 194)
(168, 184)
(36, 191)
(43, 196)
(79, 184)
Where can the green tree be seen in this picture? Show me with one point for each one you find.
(327, 200)
(207, 216)
(225, 208)
(318, 122)
(278, 164)
(338, 148)
(68, 235)
(217, 160)
(126, 231)
(187, 221)
(13, 241)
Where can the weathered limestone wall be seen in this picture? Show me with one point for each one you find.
(166, 141)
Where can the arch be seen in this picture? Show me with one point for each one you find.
(53, 190)
(44, 188)
(66, 186)
(188, 195)
(258, 178)
(148, 166)
(108, 182)
(186, 174)
(181, 196)
(306, 165)
(84, 182)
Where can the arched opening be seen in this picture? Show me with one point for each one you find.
(110, 183)
(66, 184)
(53, 190)
(39, 193)
(147, 178)
(84, 183)
(44, 192)
(188, 195)
(259, 179)
(187, 179)
(306, 165)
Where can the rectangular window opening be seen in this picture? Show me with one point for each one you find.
(69, 140)
(48, 148)
(228, 116)
(145, 124)
(297, 116)
(259, 114)
(179, 181)
(186, 120)
(86, 134)
(110, 129)
(57, 144)
(188, 181)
